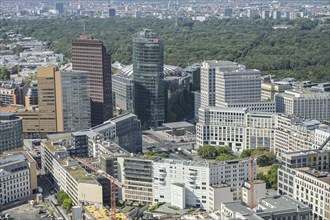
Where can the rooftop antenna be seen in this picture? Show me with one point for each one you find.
(84, 28)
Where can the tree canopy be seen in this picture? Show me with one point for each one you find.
(4, 73)
(301, 51)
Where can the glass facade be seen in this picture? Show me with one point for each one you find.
(148, 77)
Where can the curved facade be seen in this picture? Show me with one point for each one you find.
(148, 78)
(10, 132)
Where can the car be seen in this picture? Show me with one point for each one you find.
(52, 191)
(41, 211)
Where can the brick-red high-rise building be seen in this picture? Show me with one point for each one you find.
(90, 55)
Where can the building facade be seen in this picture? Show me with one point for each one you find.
(238, 85)
(304, 176)
(69, 176)
(90, 55)
(18, 176)
(235, 127)
(194, 72)
(148, 77)
(11, 132)
(196, 183)
(296, 134)
(209, 83)
(309, 104)
(137, 176)
(268, 90)
(74, 102)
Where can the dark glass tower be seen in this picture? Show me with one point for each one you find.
(90, 55)
(148, 78)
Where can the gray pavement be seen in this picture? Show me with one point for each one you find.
(25, 211)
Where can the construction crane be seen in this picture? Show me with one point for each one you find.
(113, 183)
(251, 167)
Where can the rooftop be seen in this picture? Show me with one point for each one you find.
(323, 176)
(181, 124)
(305, 152)
(169, 71)
(280, 203)
(79, 174)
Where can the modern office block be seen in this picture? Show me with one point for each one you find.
(59, 7)
(209, 71)
(296, 134)
(198, 179)
(69, 176)
(128, 132)
(268, 90)
(90, 55)
(63, 103)
(148, 77)
(237, 85)
(74, 100)
(194, 71)
(122, 90)
(18, 176)
(137, 176)
(237, 128)
(307, 103)
(125, 130)
(11, 132)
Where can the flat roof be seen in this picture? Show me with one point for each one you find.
(58, 136)
(181, 124)
(283, 202)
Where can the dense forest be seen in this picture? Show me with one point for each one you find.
(302, 51)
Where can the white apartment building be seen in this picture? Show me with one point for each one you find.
(235, 127)
(296, 134)
(199, 183)
(309, 104)
(305, 177)
(18, 177)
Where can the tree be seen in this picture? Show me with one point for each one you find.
(266, 160)
(67, 204)
(61, 196)
(211, 152)
(4, 73)
(224, 157)
(271, 177)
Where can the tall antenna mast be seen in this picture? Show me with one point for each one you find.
(84, 28)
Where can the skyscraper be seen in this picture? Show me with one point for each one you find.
(72, 98)
(90, 55)
(148, 78)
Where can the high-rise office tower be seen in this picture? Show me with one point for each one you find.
(48, 120)
(148, 77)
(209, 71)
(59, 7)
(63, 100)
(90, 55)
(73, 100)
